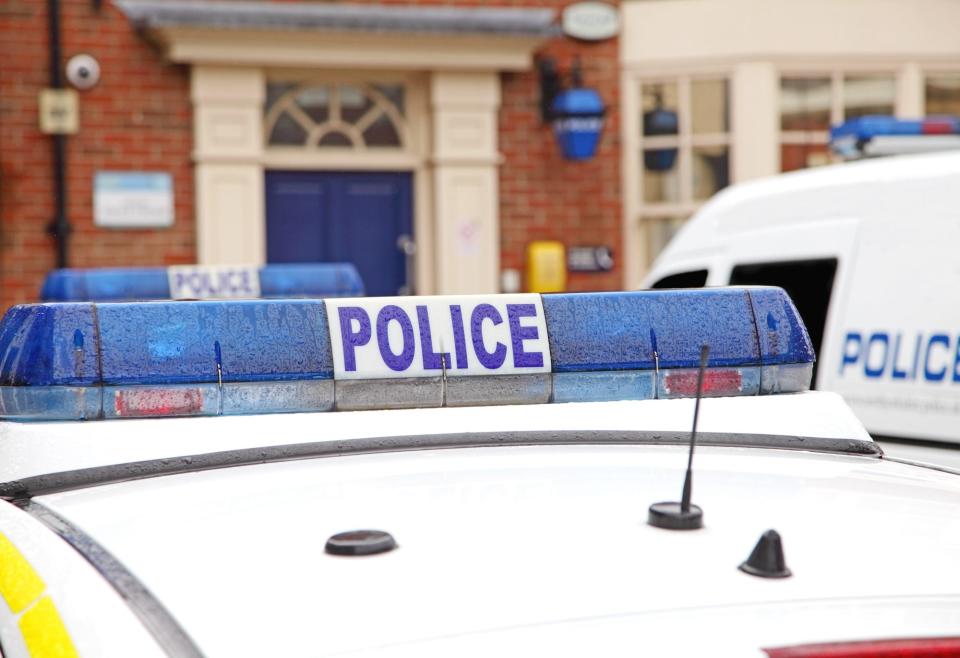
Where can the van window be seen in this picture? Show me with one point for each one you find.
(808, 282)
(694, 279)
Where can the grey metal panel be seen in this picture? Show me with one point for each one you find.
(518, 21)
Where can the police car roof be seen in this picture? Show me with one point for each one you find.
(510, 518)
(521, 548)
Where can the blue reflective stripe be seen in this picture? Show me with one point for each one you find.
(299, 280)
(147, 283)
(616, 331)
(866, 127)
(782, 335)
(164, 343)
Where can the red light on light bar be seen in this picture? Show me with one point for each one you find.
(935, 647)
(715, 382)
(934, 127)
(142, 402)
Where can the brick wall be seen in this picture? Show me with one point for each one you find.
(543, 196)
(138, 118)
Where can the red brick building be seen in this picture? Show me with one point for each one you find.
(274, 121)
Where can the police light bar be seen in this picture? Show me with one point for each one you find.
(870, 136)
(202, 282)
(88, 360)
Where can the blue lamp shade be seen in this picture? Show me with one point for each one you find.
(578, 122)
(656, 123)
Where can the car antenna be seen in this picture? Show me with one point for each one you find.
(684, 515)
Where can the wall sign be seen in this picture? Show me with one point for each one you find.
(132, 199)
(59, 112)
(591, 21)
(589, 259)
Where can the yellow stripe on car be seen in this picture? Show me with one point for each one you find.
(23, 590)
(19, 583)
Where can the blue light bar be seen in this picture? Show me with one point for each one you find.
(90, 360)
(883, 135)
(154, 283)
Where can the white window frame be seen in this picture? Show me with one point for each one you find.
(647, 214)
(836, 76)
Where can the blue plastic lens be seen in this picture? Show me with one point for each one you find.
(152, 283)
(86, 360)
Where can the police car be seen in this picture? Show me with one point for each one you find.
(111, 284)
(436, 476)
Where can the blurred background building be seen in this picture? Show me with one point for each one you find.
(405, 137)
(408, 136)
(755, 85)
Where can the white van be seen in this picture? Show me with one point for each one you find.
(870, 253)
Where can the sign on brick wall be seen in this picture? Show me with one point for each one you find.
(132, 199)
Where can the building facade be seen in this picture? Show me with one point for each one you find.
(408, 137)
(405, 137)
(755, 86)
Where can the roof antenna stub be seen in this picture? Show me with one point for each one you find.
(684, 515)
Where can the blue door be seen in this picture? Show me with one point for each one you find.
(358, 217)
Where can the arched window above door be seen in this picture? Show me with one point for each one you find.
(326, 115)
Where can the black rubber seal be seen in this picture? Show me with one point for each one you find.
(39, 485)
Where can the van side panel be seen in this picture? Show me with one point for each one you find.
(895, 345)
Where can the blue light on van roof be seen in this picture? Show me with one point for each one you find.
(91, 360)
(882, 135)
(153, 283)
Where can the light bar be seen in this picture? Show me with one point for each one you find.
(885, 135)
(202, 282)
(89, 360)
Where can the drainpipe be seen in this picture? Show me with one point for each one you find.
(59, 228)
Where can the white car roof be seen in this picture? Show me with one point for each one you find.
(511, 548)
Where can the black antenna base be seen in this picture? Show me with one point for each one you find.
(766, 560)
(670, 516)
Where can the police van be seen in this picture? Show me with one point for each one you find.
(868, 252)
(617, 474)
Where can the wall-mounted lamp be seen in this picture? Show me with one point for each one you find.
(576, 112)
(659, 122)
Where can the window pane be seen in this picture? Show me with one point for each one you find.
(393, 93)
(711, 170)
(942, 93)
(659, 232)
(710, 112)
(659, 101)
(315, 101)
(805, 103)
(335, 139)
(661, 180)
(353, 103)
(692, 279)
(275, 90)
(287, 131)
(868, 94)
(381, 133)
(801, 156)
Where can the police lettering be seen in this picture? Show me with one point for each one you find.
(933, 357)
(471, 330)
(211, 284)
